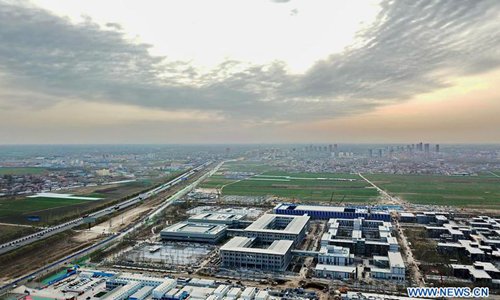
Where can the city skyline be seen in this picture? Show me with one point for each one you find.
(78, 72)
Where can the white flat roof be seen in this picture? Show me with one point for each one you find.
(407, 214)
(243, 244)
(325, 208)
(191, 227)
(395, 259)
(217, 216)
(297, 223)
(333, 268)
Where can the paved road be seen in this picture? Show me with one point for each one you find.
(115, 237)
(15, 244)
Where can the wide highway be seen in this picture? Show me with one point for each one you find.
(25, 240)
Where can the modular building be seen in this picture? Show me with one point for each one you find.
(125, 291)
(194, 232)
(360, 236)
(142, 293)
(163, 288)
(407, 217)
(330, 212)
(239, 252)
(479, 272)
(390, 267)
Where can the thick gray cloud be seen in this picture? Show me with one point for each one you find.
(404, 54)
(411, 42)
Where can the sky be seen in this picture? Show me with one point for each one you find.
(234, 71)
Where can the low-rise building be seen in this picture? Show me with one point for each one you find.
(335, 272)
(335, 255)
(231, 220)
(330, 212)
(479, 272)
(242, 252)
(362, 237)
(390, 267)
(194, 232)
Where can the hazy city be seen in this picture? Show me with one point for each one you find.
(249, 149)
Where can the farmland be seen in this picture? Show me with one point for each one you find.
(17, 209)
(20, 206)
(304, 186)
(219, 180)
(478, 191)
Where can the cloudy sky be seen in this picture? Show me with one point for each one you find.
(148, 71)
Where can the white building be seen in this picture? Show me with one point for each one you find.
(390, 267)
(335, 255)
(163, 288)
(239, 252)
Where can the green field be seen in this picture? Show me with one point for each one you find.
(480, 191)
(216, 182)
(21, 171)
(304, 186)
(25, 206)
(16, 209)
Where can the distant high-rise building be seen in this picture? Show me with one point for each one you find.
(427, 148)
(420, 146)
(330, 148)
(228, 150)
(370, 152)
(380, 152)
(437, 148)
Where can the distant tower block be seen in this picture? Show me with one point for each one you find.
(330, 148)
(370, 152)
(228, 150)
(419, 147)
(380, 152)
(427, 148)
(437, 148)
